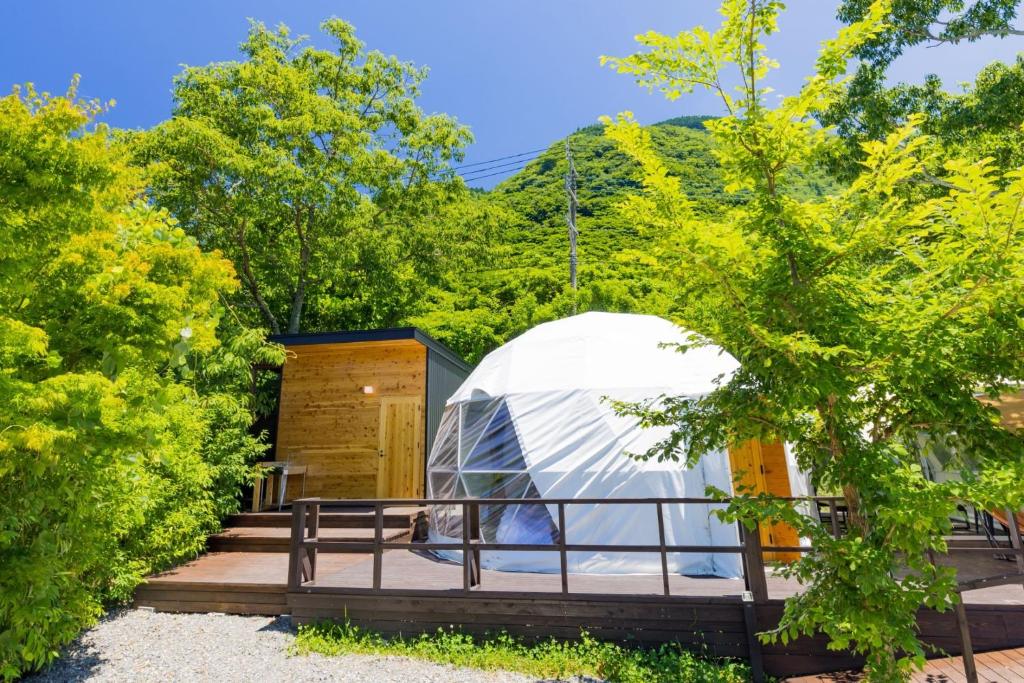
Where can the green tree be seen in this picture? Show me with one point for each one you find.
(124, 409)
(862, 320)
(869, 110)
(315, 172)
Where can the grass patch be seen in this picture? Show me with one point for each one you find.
(545, 659)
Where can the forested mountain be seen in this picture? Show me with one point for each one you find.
(525, 279)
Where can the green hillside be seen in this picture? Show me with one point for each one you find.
(525, 280)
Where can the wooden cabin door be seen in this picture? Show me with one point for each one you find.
(400, 468)
(762, 467)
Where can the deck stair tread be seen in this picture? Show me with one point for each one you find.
(332, 518)
(968, 541)
(325, 534)
(278, 539)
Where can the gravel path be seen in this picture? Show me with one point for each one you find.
(139, 645)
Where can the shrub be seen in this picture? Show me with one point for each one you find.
(123, 408)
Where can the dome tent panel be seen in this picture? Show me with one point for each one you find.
(599, 351)
(497, 448)
(441, 484)
(474, 416)
(445, 453)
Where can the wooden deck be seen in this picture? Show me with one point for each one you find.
(400, 588)
(405, 570)
(1000, 666)
(704, 612)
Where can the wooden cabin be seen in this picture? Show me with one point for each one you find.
(359, 410)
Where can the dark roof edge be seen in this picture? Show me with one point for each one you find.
(385, 334)
(441, 349)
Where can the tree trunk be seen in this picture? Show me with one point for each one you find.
(299, 295)
(250, 281)
(298, 301)
(853, 515)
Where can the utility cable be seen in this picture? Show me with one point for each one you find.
(480, 177)
(511, 156)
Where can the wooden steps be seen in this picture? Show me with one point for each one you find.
(359, 518)
(269, 532)
(266, 539)
(186, 596)
(246, 570)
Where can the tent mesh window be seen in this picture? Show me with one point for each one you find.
(478, 455)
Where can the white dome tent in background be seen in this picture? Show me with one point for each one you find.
(532, 420)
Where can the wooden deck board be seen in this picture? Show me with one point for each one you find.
(1000, 666)
(325, 533)
(420, 571)
(245, 569)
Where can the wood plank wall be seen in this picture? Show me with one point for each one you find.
(326, 421)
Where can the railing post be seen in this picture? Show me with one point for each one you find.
(312, 532)
(1014, 531)
(753, 564)
(966, 650)
(664, 554)
(474, 547)
(467, 581)
(563, 558)
(378, 538)
(296, 552)
(753, 644)
(833, 511)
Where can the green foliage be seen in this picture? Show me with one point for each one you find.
(522, 277)
(316, 173)
(869, 110)
(912, 22)
(549, 659)
(862, 320)
(122, 388)
(985, 121)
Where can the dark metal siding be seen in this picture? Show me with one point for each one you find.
(443, 378)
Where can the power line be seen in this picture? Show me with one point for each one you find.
(491, 168)
(511, 156)
(517, 165)
(481, 177)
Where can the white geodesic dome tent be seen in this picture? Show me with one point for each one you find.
(533, 420)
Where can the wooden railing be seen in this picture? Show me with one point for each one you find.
(305, 543)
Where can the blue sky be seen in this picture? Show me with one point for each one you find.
(520, 74)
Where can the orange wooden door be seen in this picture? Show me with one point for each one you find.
(400, 458)
(762, 468)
